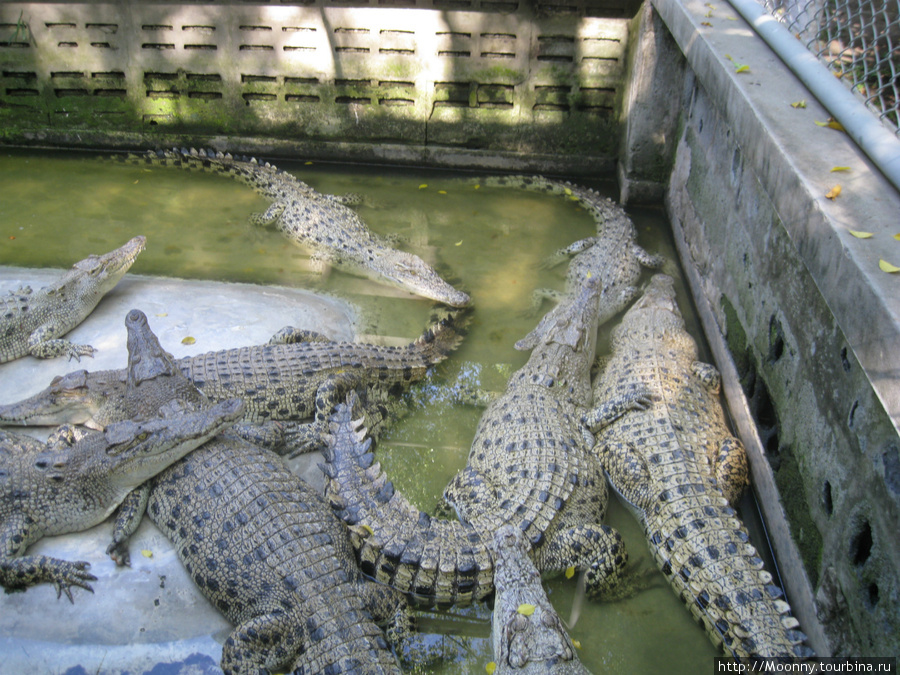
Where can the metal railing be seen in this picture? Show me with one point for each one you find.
(859, 41)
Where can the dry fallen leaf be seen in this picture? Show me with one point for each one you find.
(887, 267)
(833, 192)
(861, 235)
(831, 124)
(706, 23)
(799, 104)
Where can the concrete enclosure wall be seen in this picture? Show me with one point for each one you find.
(429, 83)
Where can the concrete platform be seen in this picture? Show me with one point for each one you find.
(149, 616)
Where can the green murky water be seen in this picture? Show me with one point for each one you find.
(58, 208)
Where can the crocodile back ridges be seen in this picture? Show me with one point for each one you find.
(443, 562)
(299, 554)
(265, 178)
(705, 553)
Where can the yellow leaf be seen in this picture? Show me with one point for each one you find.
(442, 192)
(831, 124)
(477, 187)
(799, 104)
(861, 235)
(135, 183)
(567, 191)
(188, 340)
(576, 644)
(833, 192)
(840, 168)
(490, 667)
(163, 314)
(706, 23)
(742, 69)
(570, 572)
(459, 243)
(708, 14)
(423, 186)
(307, 163)
(526, 609)
(146, 553)
(887, 267)
(897, 237)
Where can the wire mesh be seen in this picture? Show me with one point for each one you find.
(859, 40)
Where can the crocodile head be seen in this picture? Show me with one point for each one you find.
(78, 479)
(411, 273)
(655, 313)
(573, 322)
(79, 397)
(96, 275)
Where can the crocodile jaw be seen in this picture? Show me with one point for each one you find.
(96, 275)
(409, 272)
(70, 399)
(137, 451)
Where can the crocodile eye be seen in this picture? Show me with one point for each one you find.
(41, 464)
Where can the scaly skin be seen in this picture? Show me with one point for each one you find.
(529, 466)
(612, 255)
(258, 542)
(334, 232)
(302, 375)
(32, 322)
(679, 467)
(72, 483)
(527, 634)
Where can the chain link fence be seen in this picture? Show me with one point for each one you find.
(859, 40)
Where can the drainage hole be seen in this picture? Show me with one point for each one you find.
(845, 362)
(872, 595)
(861, 545)
(827, 502)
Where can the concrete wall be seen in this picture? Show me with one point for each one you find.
(505, 84)
(810, 320)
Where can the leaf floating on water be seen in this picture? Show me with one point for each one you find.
(146, 553)
(799, 104)
(861, 235)
(459, 243)
(885, 266)
(135, 182)
(568, 191)
(526, 609)
(442, 192)
(423, 186)
(188, 340)
(570, 572)
(490, 667)
(831, 124)
(833, 192)
(308, 163)
(576, 644)
(840, 168)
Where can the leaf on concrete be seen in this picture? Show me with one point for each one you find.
(861, 235)
(885, 266)
(833, 192)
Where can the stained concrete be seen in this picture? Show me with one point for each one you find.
(806, 311)
(149, 615)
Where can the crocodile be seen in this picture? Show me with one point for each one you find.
(527, 635)
(529, 465)
(333, 232)
(33, 322)
(261, 544)
(678, 466)
(612, 253)
(299, 375)
(76, 480)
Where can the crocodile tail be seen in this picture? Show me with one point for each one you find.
(711, 564)
(434, 562)
(444, 335)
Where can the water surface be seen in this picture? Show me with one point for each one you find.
(58, 208)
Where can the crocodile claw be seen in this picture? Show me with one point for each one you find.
(67, 574)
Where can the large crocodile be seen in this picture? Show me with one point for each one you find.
(529, 465)
(527, 635)
(302, 376)
(77, 480)
(32, 322)
(612, 254)
(332, 231)
(679, 467)
(261, 544)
